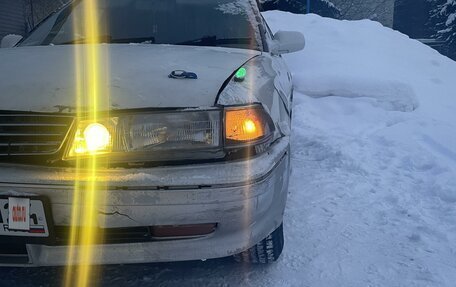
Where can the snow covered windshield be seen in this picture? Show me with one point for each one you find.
(224, 23)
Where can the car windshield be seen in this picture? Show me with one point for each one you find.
(224, 23)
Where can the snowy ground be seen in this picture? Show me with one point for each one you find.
(373, 191)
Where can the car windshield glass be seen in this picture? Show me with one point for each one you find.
(225, 23)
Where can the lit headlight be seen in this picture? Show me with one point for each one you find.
(91, 139)
(149, 136)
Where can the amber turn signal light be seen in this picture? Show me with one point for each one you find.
(245, 124)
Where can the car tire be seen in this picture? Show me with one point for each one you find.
(266, 251)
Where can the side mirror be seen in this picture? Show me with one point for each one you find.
(11, 40)
(287, 42)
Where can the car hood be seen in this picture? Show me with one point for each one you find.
(42, 79)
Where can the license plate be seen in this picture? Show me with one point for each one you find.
(23, 217)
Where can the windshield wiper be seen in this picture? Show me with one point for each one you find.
(143, 40)
(213, 41)
(108, 40)
(84, 40)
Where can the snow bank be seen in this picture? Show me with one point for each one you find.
(359, 58)
(373, 190)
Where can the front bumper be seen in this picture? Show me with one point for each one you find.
(246, 199)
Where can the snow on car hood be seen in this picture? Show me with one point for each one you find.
(42, 78)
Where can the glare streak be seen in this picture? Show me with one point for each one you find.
(88, 195)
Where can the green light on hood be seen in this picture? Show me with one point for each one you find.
(240, 74)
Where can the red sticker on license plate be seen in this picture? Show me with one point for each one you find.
(19, 213)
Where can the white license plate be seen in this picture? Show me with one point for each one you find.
(23, 217)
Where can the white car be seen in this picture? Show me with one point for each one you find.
(197, 134)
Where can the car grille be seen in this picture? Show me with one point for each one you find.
(32, 134)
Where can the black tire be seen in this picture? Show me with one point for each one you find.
(266, 251)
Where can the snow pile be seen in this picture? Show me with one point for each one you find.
(373, 190)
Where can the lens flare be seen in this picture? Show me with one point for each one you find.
(89, 194)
